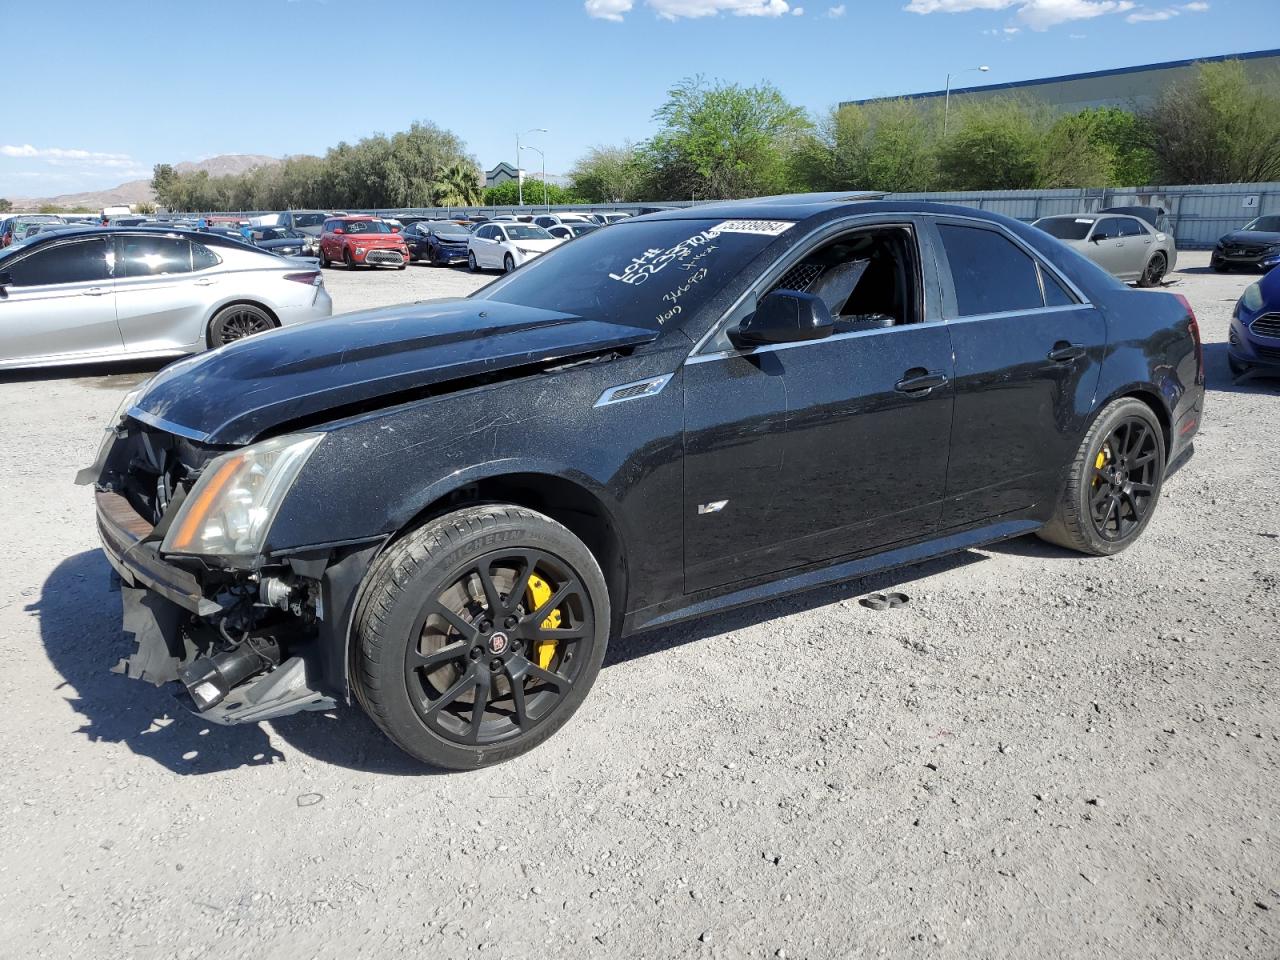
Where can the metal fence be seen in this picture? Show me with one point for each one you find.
(1197, 214)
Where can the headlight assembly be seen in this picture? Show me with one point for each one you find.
(1252, 297)
(232, 506)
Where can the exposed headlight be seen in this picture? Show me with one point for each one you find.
(359, 249)
(89, 474)
(1251, 299)
(232, 506)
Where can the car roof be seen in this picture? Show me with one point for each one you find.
(208, 239)
(356, 216)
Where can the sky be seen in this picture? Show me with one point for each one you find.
(129, 83)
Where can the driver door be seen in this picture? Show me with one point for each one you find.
(805, 452)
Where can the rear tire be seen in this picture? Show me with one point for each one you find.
(325, 262)
(1218, 267)
(441, 649)
(1118, 472)
(237, 321)
(1155, 270)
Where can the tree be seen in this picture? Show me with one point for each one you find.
(721, 141)
(1073, 157)
(608, 174)
(165, 183)
(507, 194)
(1219, 126)
(996, 145)
(5, 205)
(458, 185)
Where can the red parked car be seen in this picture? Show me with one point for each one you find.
(362, 240)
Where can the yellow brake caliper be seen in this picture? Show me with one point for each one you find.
(1099, 462)
(538, 593)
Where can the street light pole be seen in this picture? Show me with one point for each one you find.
(946, 109)
(519, 169)
(544, 174)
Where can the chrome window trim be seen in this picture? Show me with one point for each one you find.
(776, 347)
(656, 385)
(168, 426)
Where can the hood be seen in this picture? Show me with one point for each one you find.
(374, 239)
(1251, 238)
(539, 245)
(232, 395)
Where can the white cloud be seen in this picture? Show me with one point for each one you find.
(1036, 14)
(691, 9)
(1143, 15)
(836, 12)
(608, 9)
(797, 11)
(69, 157)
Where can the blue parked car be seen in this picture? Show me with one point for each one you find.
(1255, 328)
(439, 242)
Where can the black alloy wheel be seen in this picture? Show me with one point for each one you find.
(1155, 271)
(1114, 481)
(471, 654)
(238, 321)
(1125, 475)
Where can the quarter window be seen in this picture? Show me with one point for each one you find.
(154, 256)
(1055, 294)
(202, 258)
(82, 262)
(989, 272)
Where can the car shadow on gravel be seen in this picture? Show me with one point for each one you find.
(119, 375)
(79, 621)
(1218, 376)
(665, 638)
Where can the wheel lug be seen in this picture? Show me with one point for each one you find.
(495, 665)
(510, 623)
(476, 653)
(485, 626)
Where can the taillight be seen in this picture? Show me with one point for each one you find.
(312, 278)
(1194, 326)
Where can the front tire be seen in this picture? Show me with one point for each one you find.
(479, 635)
(348, 259)
(471, 262)
(1114, 482)
(325, 262)
(508, 263)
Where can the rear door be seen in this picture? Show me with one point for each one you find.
(158, 298)
(60, 303)
(1028, 351)
(1107, 247)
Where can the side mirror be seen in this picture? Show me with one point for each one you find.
(784, 316)
(1096, 238)
(338, 230)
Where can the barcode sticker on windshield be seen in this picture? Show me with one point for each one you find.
(768, 228)
(1083, 220)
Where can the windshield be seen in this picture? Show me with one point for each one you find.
(1265, 225)
(308, 219)
(273, 233)
(645, 273)
(1066, 228)
(366, 226)
(526, 231)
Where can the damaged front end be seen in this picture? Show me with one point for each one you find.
(183, 525)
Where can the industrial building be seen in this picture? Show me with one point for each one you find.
(1129, 87)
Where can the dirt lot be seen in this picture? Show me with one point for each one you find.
(1039, 755)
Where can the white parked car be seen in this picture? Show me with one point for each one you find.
(504, 246)
(549, 220)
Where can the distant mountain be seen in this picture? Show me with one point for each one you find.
(139, 191)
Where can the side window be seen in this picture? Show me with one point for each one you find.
(1055, 294)
(1107, 228)
(81, 262)
(989, 272)
(1130, 227)
(153, 256)
(202, 258)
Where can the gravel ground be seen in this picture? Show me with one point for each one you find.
(1040, 755)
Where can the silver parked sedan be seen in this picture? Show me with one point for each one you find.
(1126, 247)
(104, 294)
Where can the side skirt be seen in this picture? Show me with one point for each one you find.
(700, 604)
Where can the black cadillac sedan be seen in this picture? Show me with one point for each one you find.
(446, 510)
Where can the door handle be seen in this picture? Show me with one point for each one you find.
(918, 382)
(206, 282)
(96, 291)
(1064, 352)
